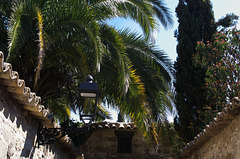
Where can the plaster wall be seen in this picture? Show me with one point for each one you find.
(18, 133)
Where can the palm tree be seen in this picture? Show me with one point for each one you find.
(147, 95)
(66, 40)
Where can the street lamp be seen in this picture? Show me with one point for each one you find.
(87, 89)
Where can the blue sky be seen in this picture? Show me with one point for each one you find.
(165, 38)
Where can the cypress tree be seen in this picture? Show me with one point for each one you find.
(196, 23)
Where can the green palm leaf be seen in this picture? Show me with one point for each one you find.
(132, 74)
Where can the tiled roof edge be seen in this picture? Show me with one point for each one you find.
(27, 99)
(229, 112)
(113, 125)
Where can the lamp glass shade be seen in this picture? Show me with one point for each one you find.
(88, 95)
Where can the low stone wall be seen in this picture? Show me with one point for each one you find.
(102, 144)
(18, 131)
(224, 145)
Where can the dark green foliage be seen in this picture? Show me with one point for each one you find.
(5, 10)
(170, 136)
(228, 21)
(79, 138)
(196, 23)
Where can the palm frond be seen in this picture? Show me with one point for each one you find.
(139, 11)
(18, 28)
(76, 23)
(59, 108)
(116, 48)
(102, 113)
(163, 13)
(137, 48)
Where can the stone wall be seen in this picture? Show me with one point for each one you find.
(224, 145)
(102, 144)
(18, 131)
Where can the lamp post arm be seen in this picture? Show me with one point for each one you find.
(51, 135)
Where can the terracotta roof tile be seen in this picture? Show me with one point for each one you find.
(29, 100)
(113, 125)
